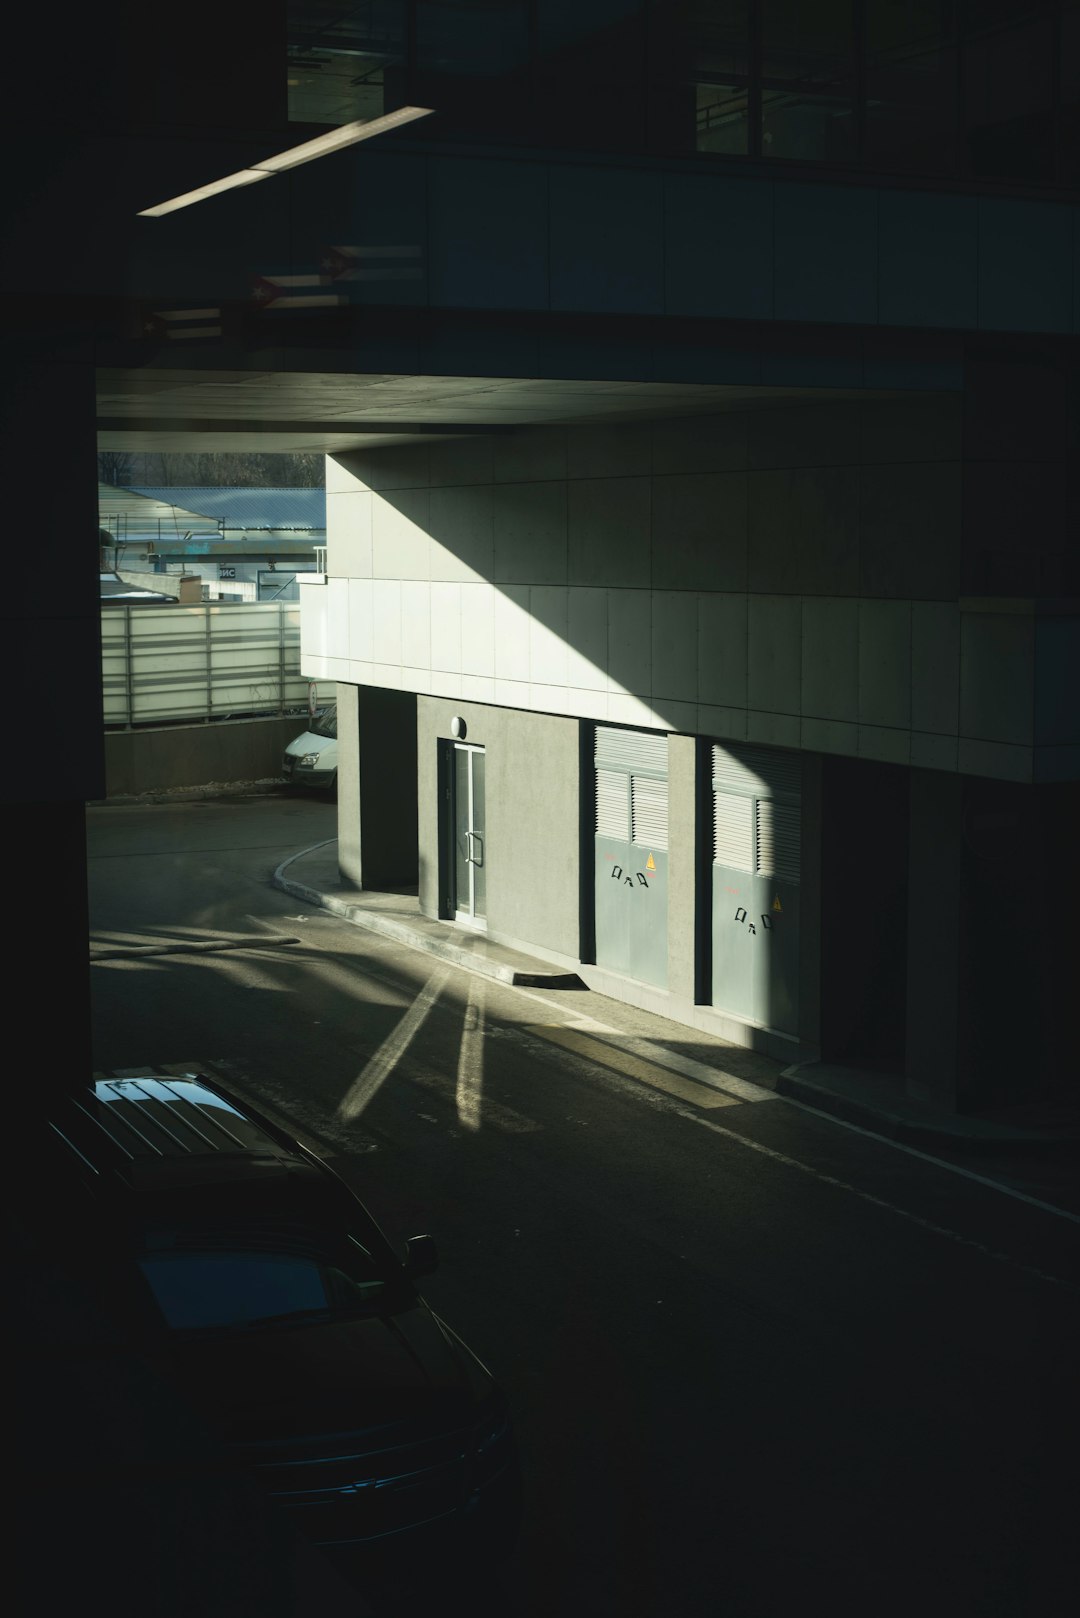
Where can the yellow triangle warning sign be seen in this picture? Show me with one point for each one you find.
(650, 864)
(776, 903)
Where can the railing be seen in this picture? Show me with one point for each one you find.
(165, 664)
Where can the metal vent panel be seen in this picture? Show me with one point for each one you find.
(779, 843)
(634, 750)
(613, 804)
(649, 811)
(733, 831)
(762, 772)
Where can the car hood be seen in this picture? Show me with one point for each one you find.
(291, 1381)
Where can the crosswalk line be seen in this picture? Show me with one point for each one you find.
(633, 1067)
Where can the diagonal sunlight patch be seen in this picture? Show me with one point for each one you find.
(470, 1067)
(367, 1084)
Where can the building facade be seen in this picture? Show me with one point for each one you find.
(699, 388)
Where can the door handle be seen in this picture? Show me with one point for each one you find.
(475, 837)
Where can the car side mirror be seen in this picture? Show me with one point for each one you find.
(421, 1256)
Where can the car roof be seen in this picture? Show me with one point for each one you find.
(177, 1148)
(150, 1116)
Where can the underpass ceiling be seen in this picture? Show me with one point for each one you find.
(287, 412)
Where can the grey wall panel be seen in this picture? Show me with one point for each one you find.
(830, 658)
(803, 435)
(928, 253)
(826, 253)
(997, 697)
(910, 531)
(532, 456)
(609, 451)
(461, 531)
(533, 842)
(885, 663)
(606, 240)
(1025, 265)
(718, 252)
(608, 531)
(774, 654)
(1057, 681)
(529, 533)
(700, 444)
(488, 224)
(401, 534)
(700, 531)
(674, 644)
(722, 649)
(804, 530)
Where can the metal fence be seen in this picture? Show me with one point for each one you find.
(219, 660)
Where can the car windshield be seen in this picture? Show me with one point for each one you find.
(231, 1275)
(205, 1291)
(325, 724)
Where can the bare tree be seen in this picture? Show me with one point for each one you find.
(115, 467)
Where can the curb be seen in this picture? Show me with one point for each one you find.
(990, 1139)
(443, 949)
(268, 786)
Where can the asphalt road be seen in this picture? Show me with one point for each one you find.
(759, 1363)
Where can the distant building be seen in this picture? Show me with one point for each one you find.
(244, 544)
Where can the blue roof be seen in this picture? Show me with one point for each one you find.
(249, 508)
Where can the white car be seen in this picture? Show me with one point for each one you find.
(311, 759)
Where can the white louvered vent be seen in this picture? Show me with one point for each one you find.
(764, 772)
(649, 811)
(613, 804)
(733, 831)
(631, 750)
(778, 839)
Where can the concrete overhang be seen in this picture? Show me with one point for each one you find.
(275, 412)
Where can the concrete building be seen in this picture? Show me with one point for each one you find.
(700, 394)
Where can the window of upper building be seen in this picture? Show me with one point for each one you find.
(808, 80)
(985, 89)
(346, 61)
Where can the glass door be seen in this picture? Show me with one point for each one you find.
(470, 876)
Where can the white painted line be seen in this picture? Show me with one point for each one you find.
(612, 1058)
(382, 1063)
(938, 1162)
(878, 1202)
(470, 1064)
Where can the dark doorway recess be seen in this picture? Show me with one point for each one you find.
(864, 920)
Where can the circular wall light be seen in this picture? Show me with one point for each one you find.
(458, 727)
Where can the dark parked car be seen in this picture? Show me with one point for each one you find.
(267, 1292)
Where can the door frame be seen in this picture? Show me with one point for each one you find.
(451, 903)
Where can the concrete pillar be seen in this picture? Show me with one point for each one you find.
(377, 827)
(935, 909)
(52, 638)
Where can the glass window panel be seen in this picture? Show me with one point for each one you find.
(462, 827)
(345, 61)
(723, 118)
(806, 127)
(699, 63)
(808, 77)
